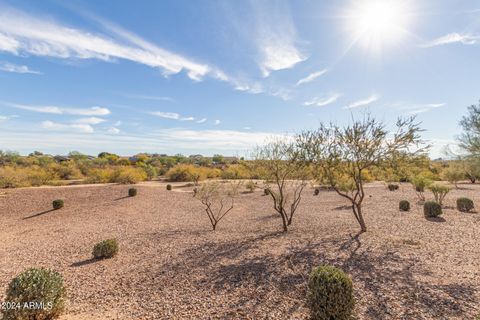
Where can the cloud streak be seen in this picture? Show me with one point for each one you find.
(363, 102)
(321, 102)
(311, 77)
(171, 115)
(466, 39)
(55, 126)
(93, 111)
(21, 34)
(9, 67)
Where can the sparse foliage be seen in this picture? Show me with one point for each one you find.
(439, 192)
(218, 199)
(286, 176)
(420, 183)
(342, 156)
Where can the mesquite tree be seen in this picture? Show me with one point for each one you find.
(218, 199)
(341, 156)
(285, 176)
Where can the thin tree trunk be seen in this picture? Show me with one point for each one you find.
(361, 221)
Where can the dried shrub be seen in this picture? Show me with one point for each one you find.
(392, 187)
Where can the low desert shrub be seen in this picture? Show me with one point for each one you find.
(432, 209)
(35, 287)
(392, 187)
(404, 205)
(186, 172)
(128, 175)
(98, 175)
(58, 204)
(105, 249)
(266, 191)
(251, 186)
(464, 204)
(316, 192)
(439, 192)
(235, 171)
(420, 183)
(330, 294)
(132, 192)
(169, 187)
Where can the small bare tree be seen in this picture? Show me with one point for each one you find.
(218, 199)
(341, 156)
(284, 174)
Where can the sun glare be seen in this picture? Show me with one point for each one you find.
(376, 23)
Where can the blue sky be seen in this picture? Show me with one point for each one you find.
(221, 76)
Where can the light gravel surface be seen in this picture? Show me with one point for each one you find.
(172, 266)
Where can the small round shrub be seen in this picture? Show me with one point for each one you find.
(132, 192)
(464, 204)
(316, 192)
(266, 192)
(169, 187)
(404, 205)
(58, 204)
(393, 187)
(105, 249)
(432, 209)
(38, 293)
(330, 294)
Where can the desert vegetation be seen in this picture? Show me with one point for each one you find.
(290, 245)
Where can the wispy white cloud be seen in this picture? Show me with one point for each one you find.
(202, 120)
(217, 122)
(321, 102)
(276, 39)
(93, 111)
(50, 125)
(421, 108)
(9, 67)
(90, 120)
(363, 102)
(156, 98)
(311, 77)
(21, 33)
(466, 39)
(171, 115)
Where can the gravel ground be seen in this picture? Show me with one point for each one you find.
(172, 266)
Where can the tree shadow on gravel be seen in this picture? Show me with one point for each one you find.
(38, 214)
(121, 198)
(387, 280)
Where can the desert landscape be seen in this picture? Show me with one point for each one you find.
(171, 265)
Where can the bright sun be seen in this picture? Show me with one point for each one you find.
(376, 23)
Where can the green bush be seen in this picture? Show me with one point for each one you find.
(316, 192)
(169, 187)
(330, 294)
(132, 192)
(432, 209)
(266, 192)
(39, 293)
(128, 175)
(58, 204)
(464, 204)
(393, 187)
(404, 205)
(420, 183)
(105, 249)
(439, 192)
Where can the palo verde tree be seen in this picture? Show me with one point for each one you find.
(470, 138)
(285, 175)
(218, 199)
(342, 155)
